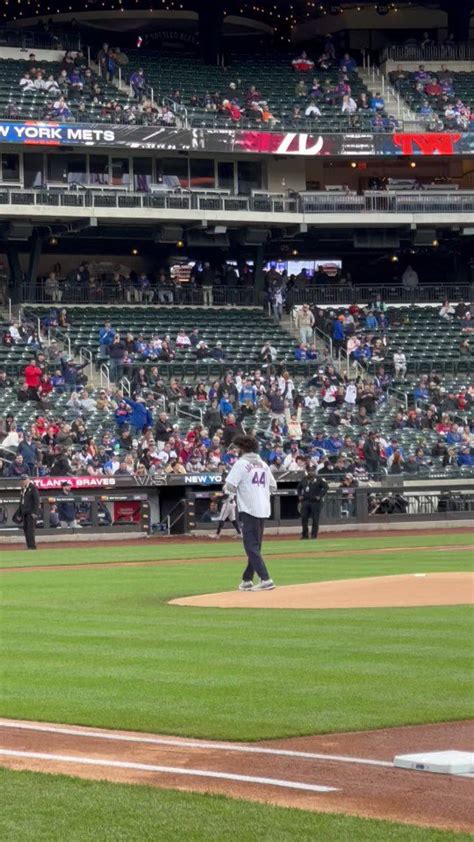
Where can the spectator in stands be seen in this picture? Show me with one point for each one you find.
(218, 352)
(363, 103)
(421, 75)
(304, 322)
(377, 102)
(338, 333)
(301, 89)
(138, 84)
(348, 64)
(32, 375)
(447, 311)
(107, 335)
(26, 83)
(433, 88)
(410, 278)
(302, 63)
(117, 352)
(52, 289)
(398, 75)
(349, 105)
(312, 109)
(61, 109)
(400, 364)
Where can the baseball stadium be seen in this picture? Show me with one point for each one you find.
(236, 420)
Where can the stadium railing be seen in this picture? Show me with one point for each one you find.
(463, 51)
(372, 201)
(39, 39)
(243, 296)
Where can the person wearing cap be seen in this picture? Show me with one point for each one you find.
(67, 507)
(311, 492)
(28, 510)
(217, 353)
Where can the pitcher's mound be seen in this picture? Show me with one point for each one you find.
(375, 592)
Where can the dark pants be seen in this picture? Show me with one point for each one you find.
(310, 510)
(252, 533)
(29, 526)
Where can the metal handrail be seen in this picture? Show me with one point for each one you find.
(198, 415)
(104, 374)
(463, 51)
(400, 396)
(307, 204)
(125, 386)
(86, 355)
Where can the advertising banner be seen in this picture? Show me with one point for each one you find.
(235, 140)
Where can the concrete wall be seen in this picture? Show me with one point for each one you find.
(292, 170)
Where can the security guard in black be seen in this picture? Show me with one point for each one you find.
(311, 491)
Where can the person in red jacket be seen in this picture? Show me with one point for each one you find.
(45, 386)
(32, 375)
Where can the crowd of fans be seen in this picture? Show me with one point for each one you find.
(439, 105)
(75, 90)
(167, 285)
(327, 419)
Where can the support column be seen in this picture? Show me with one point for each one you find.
(210, 31)
(258, 279)
(16, 275)
(35, 254)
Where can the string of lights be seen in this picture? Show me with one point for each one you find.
(280, 15)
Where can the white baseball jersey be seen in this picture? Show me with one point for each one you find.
(253, 482)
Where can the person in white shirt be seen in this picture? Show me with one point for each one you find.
(182, 339)
(15, 333)
(349, 105)
(27, 83)
(311, 400)
(227, 512)
(350, 395)
(447, 311)
(312, 110)
(400, 364)
(252, 481)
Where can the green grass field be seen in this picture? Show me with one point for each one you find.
(102, 647)
(50, 808)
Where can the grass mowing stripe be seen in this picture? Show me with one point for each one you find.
(70, 555)
(55, 808)
(103, 648)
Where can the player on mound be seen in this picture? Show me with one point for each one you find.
(252, 481)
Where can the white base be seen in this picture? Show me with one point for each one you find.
(443, 762)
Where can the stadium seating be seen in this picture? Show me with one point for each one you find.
(272, 76)
(463, 89)
(427, 341)
(30, 106)
(241, 332)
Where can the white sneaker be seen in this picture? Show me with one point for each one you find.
(246, 586)
(237, 536)
(214, 535)
(264, 585)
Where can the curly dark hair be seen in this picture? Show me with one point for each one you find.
(248, 444)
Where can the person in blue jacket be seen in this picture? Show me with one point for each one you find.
(140, 416)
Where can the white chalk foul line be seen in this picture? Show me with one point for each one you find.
(169, 770)
(194, 744)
